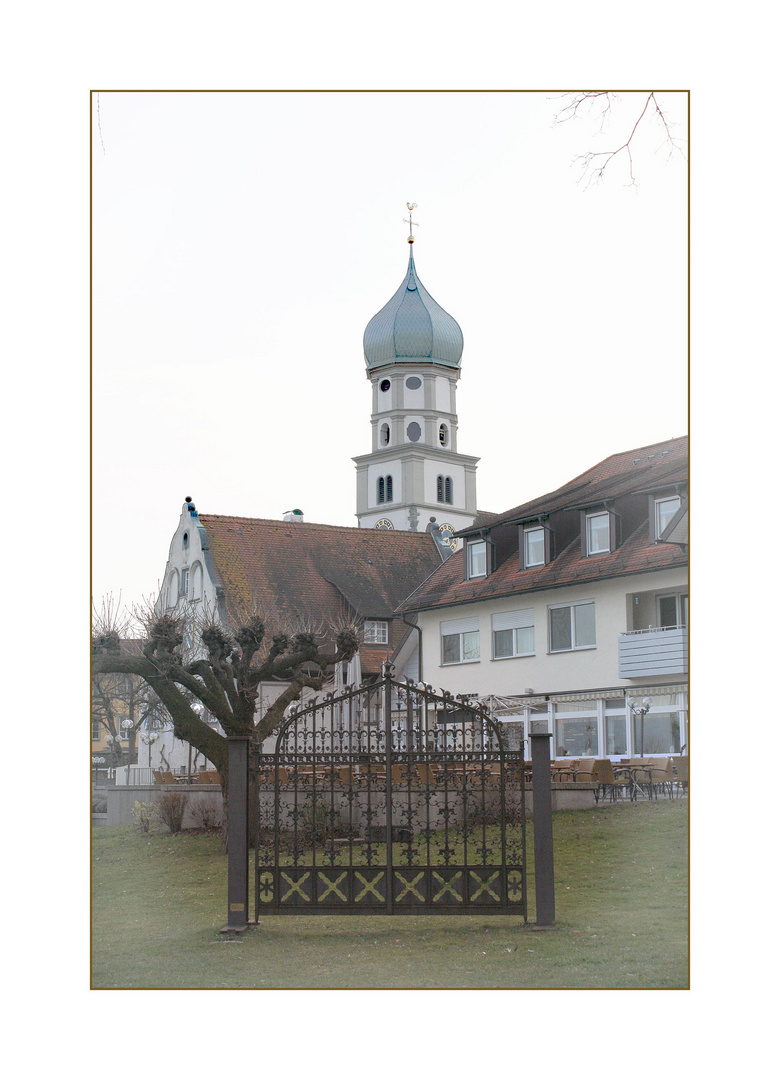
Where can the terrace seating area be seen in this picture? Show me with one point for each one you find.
(206, 776)
(636, 777)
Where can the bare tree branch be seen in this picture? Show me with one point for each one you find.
(594, 163)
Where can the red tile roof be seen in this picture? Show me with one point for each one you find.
(649, 468)
(321, 573)
(645, 469)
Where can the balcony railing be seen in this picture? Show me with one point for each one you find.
(659, 650)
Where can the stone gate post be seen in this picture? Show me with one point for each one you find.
(543, 833)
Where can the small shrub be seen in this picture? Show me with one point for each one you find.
(144, 814)
(99, 804)
(206, 812)
(172, 806)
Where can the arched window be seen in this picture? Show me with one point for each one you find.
(444, 489)
(444, 435)
(380, 489)
(389, 489)
(172, 598)
(197, 582)
(384, 435)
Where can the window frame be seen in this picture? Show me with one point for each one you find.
(614, 532)
(681, 607)
(516, 653)
(657, 501)
(572, 606)
(379, 627)
(461, 635)
(525, 531)
(470, 546)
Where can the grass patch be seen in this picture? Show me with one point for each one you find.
(621, 919)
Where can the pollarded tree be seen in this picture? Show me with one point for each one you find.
(221, 670)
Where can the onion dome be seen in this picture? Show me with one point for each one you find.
(412, 328)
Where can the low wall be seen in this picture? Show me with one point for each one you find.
(122, 799)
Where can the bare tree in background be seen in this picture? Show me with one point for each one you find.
(608, 110)
(205, 667)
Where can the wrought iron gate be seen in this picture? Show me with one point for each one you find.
(390, 799)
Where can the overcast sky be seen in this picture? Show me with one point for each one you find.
(242, 241)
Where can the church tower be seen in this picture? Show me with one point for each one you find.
(414, 473)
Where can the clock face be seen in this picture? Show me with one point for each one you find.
(384, 523)
(446, 534)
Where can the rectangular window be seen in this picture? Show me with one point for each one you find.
(185, 580)
(533, 547)
(597, 526)
(572, 626)
(477, 558)
(665, 509)
(375, 632)
(513, 634)
(673, 610)
(460, 641)
(576, 736)
(96, 730)
(617, 743)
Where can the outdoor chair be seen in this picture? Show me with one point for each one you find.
(662, 775)
(564, 771)
(604, 776)
(167, 778)
(586, 768)
(681, 772)
(426, 775)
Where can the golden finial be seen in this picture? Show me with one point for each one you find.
(410, 206)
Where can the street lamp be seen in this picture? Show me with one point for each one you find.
(640, 711)
(149, 737)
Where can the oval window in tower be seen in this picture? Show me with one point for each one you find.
(384, 386)
(413, 383)
(414, 431)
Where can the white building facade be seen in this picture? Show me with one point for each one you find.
(570, 627)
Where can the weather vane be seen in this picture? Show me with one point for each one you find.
(410, 206)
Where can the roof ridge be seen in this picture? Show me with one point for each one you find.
(307, 524)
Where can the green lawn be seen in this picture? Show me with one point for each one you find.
(621, 872)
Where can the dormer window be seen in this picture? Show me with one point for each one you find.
(375, 632)
(664, 510)
(477, 558)
(599, 531)
(480, 558)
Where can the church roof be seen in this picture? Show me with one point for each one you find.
(318, 573)
(412, 328)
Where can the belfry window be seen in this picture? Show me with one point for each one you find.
(444, 435)
(384, 435)
(384, 489)
(444, 489)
